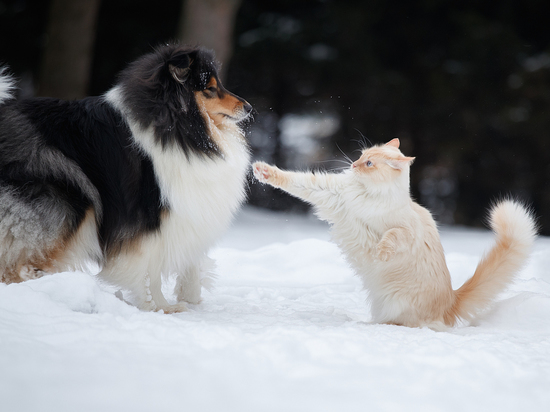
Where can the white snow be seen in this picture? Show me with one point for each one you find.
(286, 329)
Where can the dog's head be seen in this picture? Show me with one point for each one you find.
(197, 72)
(177, 91)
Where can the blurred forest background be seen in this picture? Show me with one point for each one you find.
(464, 84)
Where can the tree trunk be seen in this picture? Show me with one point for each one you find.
(209, 23)
(66, 63)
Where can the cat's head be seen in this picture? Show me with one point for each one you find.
(382, 163)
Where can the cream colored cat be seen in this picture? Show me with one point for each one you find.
(393, 243)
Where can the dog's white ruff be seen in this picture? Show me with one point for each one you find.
(202, 195)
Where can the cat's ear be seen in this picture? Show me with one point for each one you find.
(394, 142)
(400, 163)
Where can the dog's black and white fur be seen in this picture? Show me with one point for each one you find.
(142, 180)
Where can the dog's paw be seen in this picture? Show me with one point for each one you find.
(176, 308)
(264, 172)
(189, 294)
(30, 272)
(151, 306)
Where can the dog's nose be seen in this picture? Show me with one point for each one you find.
(247, 107)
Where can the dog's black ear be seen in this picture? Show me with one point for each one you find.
(179, 67)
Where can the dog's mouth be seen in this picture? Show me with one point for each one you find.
(229, 117)
(240, 117)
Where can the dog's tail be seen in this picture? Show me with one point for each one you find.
(7, 85)
(515, 230)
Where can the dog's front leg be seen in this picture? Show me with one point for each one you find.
(141, 276)
(189, 283)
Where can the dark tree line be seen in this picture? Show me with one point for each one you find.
(67, 56)
(464, 85)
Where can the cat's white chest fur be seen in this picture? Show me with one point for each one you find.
(362, 217)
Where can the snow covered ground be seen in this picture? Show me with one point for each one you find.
(286, 329)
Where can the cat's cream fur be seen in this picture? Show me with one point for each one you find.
(393, 243)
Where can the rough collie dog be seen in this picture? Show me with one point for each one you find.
(142, 180)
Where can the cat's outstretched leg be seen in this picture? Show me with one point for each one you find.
(316, 188)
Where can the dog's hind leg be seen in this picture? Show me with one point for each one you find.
(81, 248)
(34, 227)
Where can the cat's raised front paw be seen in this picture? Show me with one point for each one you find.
(263, 172)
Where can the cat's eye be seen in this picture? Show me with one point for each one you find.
(369, 163)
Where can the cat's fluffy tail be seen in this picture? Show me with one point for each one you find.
(515, 229)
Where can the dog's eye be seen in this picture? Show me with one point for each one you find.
(369, 163)
(210, 92)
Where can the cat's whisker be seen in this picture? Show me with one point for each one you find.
(362, 145)
(338, 169)
(364, 140)
(345, 155)
(346, 162)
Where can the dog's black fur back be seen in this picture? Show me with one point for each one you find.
(94, 138)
